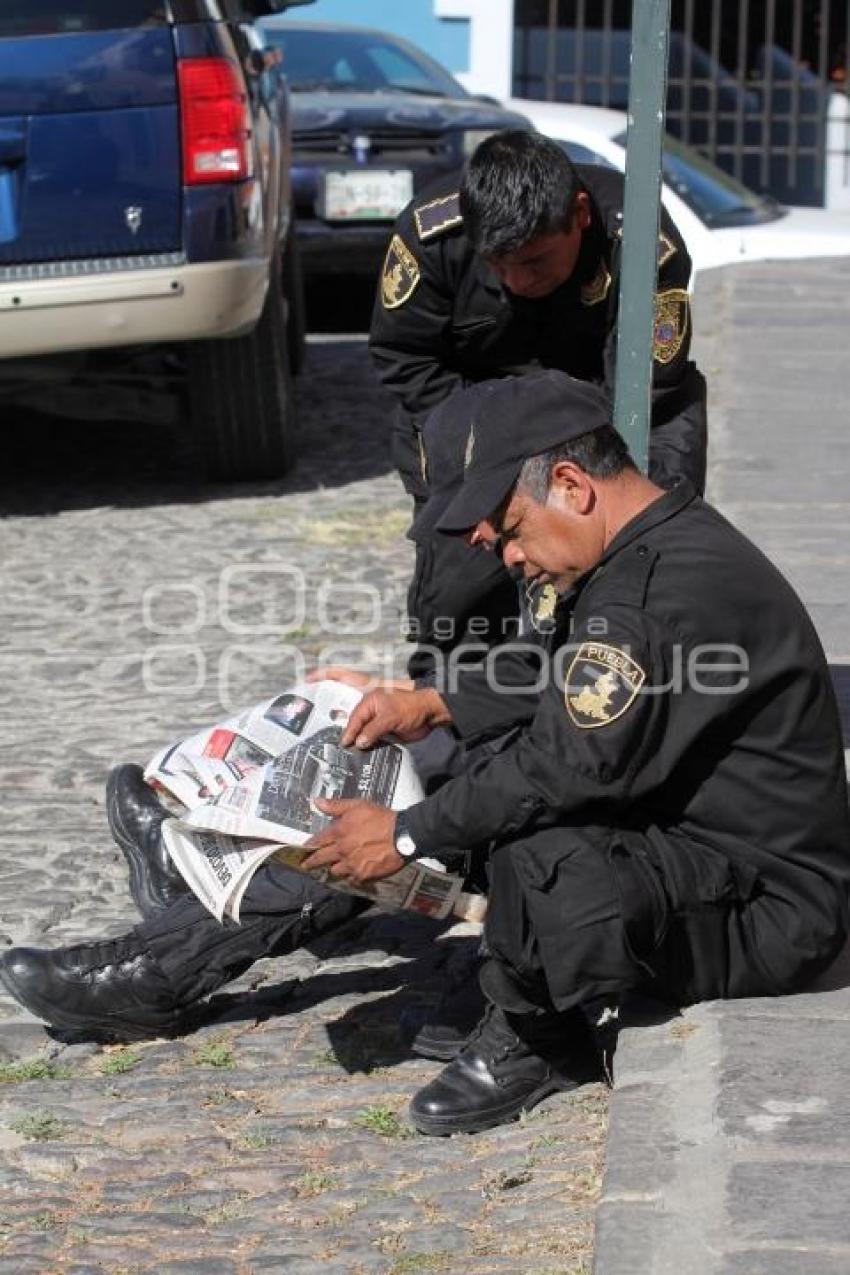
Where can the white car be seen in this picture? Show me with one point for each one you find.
(721, 220)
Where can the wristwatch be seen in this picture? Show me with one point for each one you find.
(404, 843)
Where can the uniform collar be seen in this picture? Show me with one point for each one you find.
(661, 510)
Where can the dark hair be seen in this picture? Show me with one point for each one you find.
(517, 186)
(601, 453)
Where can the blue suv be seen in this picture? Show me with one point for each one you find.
(145, 197)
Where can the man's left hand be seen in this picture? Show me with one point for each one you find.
(358, 846)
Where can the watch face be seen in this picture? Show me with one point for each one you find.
(405, 845)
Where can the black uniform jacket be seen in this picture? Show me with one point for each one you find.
(689, 700)
(443, 321)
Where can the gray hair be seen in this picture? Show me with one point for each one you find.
(601, 453)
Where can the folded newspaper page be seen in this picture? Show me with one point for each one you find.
(250, 784)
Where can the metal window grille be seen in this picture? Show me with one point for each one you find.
(759, 86)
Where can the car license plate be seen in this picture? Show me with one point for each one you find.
(368, 195)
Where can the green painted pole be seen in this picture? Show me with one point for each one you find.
(636, 323)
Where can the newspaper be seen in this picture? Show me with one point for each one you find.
(249, 787)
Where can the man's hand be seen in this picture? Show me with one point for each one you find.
(358, 846)
(360, 680)
(409, 715)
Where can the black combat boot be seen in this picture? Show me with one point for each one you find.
(135, 819)
(500, 1073)
(113, 990)
(152, 981)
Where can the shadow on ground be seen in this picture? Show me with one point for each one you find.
(128, 456)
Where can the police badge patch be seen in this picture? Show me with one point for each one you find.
(602, 683)
(400, 276)
(671, 324)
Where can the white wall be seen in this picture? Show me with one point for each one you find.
(491, 42)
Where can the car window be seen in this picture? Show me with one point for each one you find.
(340, 59)
(583, 154)
(716, 198)
(63, 17)
(398, 69)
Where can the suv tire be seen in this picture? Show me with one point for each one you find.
(241, 399)
(292, 277)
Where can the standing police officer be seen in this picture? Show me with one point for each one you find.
(518, 269)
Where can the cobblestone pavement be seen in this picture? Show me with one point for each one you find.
(136, 605)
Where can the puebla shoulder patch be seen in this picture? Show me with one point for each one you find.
(602, 683)
(671, 324)
(400, 275)
(439, 215)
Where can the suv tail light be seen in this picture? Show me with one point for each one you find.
(216, 121)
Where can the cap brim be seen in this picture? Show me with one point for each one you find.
(478, 498)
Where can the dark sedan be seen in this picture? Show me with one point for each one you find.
(375, 120)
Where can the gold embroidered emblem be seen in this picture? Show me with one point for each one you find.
(543, 607)
(470, 448)
(602, 682)
(666, 249)
(671, 324)
(400, 274)
(598, 288)
(441, 214)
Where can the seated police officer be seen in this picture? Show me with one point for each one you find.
(673, 816)
(516, 268)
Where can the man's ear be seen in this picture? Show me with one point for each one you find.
(582, 210)
(573, 486)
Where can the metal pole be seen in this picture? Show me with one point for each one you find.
(638, 277)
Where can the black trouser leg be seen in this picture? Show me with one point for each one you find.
(281, 911)
(573, 920)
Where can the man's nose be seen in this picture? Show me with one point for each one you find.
(512, 555)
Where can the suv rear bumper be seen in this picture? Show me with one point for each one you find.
(95, 310)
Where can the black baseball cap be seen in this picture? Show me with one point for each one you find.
(444, 438)
(519, 417)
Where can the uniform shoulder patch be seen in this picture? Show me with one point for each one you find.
(438, 215)
(666, 249)
(672, 317)
(602, 683)
(598, 287)
(400, 274)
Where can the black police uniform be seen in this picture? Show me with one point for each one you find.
(675, 815)
(442, 321)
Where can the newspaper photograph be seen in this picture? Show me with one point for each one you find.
(199, 768)
(250, 784)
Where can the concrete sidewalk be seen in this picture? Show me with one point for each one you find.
(729, 1142)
